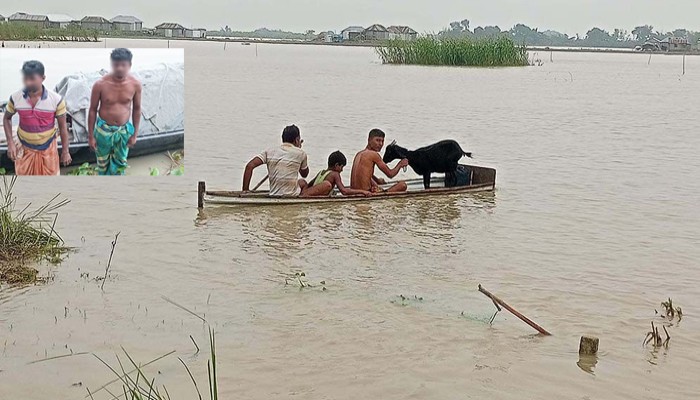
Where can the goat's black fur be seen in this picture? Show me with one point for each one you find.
(442, 157)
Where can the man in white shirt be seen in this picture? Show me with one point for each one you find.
(284, 165)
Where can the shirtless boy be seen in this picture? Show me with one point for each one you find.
(326, 180)
(362, 176)
(115, 100)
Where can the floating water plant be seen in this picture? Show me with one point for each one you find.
(405, 300)
(300, 279)
(85, 169)
(27, 236)
(486, 52)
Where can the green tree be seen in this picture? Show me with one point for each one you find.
(643, 33)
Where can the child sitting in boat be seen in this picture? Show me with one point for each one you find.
(326, 180)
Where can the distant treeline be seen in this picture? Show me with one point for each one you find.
(596, 37)
(520, 33)
(30, 32)
(263, 33)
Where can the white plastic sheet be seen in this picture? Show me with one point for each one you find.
(162, 99)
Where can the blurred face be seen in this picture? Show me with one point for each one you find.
(33, 82)
(298, 142)
(376, 143)
(120, 69)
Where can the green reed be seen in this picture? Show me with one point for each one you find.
(486, 52)
(136, 385)
(27, 236)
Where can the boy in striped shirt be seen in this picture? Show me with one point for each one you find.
(38, 109)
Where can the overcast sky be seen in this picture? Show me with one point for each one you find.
(569, 17)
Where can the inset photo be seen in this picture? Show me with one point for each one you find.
(114, 111)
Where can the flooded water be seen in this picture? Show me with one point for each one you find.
(593, 224)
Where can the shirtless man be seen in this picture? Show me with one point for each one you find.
(362, 176)
(115, 100)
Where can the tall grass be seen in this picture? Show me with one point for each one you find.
(27, 236)
(136, 385)
(487, 52)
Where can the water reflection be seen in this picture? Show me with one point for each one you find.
(289, 227)
(587, 363)
(277, 230)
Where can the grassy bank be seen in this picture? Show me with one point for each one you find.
(14, 31)
(27, 236)
(489, 52)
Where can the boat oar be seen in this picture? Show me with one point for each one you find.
(260, 183)
(503, 304)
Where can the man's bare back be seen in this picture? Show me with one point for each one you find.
(363, 169)
(116, 97)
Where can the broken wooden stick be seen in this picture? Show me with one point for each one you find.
(513, 311)
(109, 263)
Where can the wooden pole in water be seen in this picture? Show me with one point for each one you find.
(513, 311)
(201, 190)
(683, 64)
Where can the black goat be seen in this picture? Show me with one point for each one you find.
(442, 156)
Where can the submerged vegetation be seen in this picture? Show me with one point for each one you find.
(670, 315)
(464, 51)
(27, 236)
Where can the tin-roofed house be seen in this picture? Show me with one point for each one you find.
(672, 44)
(376, 32)
(401, 33)
(352, 33)
(59, 20)
(40, 21)
(126, 23)
(195, 33)
(95, 22)
(170, 29)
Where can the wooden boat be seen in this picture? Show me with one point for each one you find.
(483, 180)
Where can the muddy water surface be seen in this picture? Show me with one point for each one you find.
(594, 223)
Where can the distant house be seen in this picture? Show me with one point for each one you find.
(675, 44)
(195, 33)
(40, 21)
(126, 23)
(352, 33)
(401, 32)
(170, 29)
(376, 32)
(59, 20)
(328, 37)
(96, 23)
